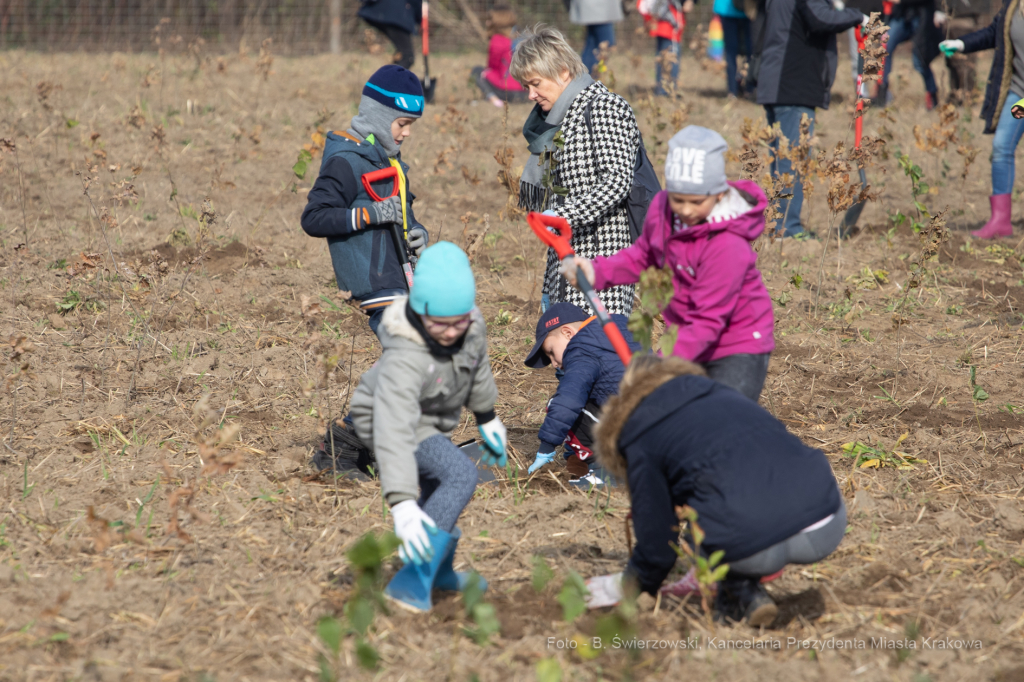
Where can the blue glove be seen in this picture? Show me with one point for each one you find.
(549, 212)
(495, 441)
(542, 459)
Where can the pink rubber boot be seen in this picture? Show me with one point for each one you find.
(999, 224)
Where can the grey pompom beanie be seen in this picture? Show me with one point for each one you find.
(696, 162)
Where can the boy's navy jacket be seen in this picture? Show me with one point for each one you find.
(592, 372)
(752, 483)
(403, 14)
(365, 261)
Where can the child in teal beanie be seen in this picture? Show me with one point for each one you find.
(434, 362)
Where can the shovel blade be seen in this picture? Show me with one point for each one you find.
(429, 85)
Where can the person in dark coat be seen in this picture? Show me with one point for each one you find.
(797, 68)
(1005, 86)
(396, 19)
(762, 497)
(569, 339)
(915, 20)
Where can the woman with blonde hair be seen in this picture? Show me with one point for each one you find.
(584, 142)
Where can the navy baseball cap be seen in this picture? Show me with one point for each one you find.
(552, 319)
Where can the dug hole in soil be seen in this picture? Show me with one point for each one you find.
(159, 291)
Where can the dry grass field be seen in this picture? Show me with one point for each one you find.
(161, 297)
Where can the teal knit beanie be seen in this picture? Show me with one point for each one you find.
(443, 285)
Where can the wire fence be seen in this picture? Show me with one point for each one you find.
(295, 26)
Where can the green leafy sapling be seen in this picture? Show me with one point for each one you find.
(656, 292)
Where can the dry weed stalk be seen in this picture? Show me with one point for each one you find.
(842, 193)
(932, 236)
(758, 138)
(20, 345)
(266, 60)
(214, 462)
(874, 51)
(11, 147)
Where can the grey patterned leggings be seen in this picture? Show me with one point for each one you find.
(447, 480)
(808, 547)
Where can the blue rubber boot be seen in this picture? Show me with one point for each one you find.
(450, 579)
(410, 588)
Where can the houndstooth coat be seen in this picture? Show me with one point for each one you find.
(597, 171)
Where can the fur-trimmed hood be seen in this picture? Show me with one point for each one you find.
(397, 325)
(645, 374)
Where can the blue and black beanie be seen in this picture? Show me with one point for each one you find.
(396, 87)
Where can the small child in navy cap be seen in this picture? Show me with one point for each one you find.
(567, 339)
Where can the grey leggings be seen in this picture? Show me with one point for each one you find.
(447, 480)
(743, 372)
(802, 548)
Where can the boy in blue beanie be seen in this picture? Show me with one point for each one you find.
(435, 362)
(356, 227)
(567, 339)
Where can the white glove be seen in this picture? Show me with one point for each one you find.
(839, 5)
(418, 239)
(939, 18)
(865, 20)
(414, 528)
(495, 441)
(951, 47)
(605, 590)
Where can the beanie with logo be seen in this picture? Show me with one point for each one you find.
(391, 93)
(696, 162)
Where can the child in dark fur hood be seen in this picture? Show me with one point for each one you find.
(761, 495)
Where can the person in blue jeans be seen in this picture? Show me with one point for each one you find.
(798, 68)
(737, 39)
(1005, 35)
(907, 21)
(599, 17)
(789, 117)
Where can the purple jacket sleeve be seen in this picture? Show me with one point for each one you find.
(714, 295)
(625, 266)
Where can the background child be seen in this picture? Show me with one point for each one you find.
(761, 495)
(434, 362)
(665, 21)
(494, 81)
(567, 339)
(701, 227)
(339, 208)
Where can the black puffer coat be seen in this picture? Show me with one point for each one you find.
(995, 35)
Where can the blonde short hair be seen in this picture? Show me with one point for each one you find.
(544, 51)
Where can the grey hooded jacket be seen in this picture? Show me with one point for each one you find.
(410, 395)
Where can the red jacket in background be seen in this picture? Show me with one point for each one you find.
(721, 305)
(499, 57)
(663, 28)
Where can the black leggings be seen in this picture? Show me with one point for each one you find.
(742, 372)
(404, 54)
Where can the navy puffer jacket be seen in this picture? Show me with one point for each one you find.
(592, 372)
(995, 35)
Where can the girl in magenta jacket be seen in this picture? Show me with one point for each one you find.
(702, 227)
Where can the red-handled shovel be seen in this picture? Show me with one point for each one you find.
(853, 213)
(556, 233)
(391, 173)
